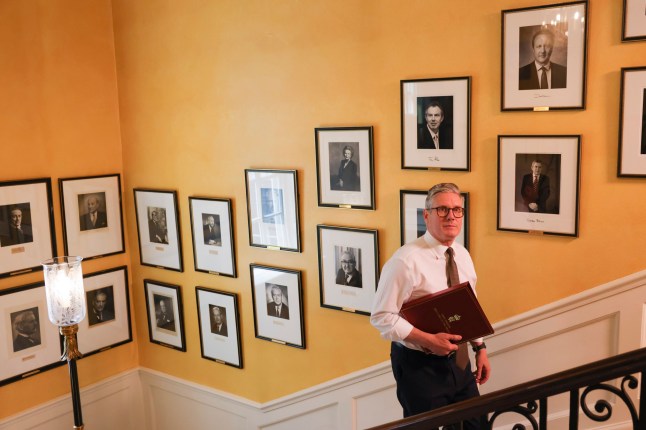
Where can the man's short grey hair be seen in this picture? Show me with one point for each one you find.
(445, 187)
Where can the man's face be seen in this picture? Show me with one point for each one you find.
(277, 296)
(536, 168)
(154, 216)
(347, 263)
(543, 45)
(217, 316)
(16, 217)
(445, 229)
(347, 154)
(210, 221)
(162, 306)
(99, 302)
(28, 324)
(92, 205)
(434, 117)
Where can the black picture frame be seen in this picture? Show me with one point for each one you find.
(24, 310)
(29, 204)
(268, 285)
(87, 235)
(108, 322)
(411, 218)
(212, 233)
(165, 314)
(158, 229)
(273, 209)
(631, 159)
(443, 104)
(564, 29)
(551, 206)
(348, 268)
(219, 324)
(345, 167)
(633, 24)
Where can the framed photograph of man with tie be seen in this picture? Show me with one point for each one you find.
(436, 123)
(219, 323)
(108, 322)
(278, 305)
(411, 216)
(344, 167)
(165, 314)
(213, 243)
(538, 184)
(544, 57)
(27, 236)
(348, 268)
(92, 213)
(29, 343)
(158, 226)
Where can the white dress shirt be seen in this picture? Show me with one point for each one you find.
(415, 270)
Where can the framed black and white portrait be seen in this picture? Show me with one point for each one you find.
(213, 243)
(344, 166)
(92, 216)
(158, 227)
(27, 236)
(411, 216)
(165, 314)
(348, 268)
(436, 123)
(272, 209)
(634, 21)
(632, 123)
(107, 323)
(278, 305)
(30, 342)
(217, 313)
(544, 57)
(538, 184)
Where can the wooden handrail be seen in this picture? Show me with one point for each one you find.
(589, 375)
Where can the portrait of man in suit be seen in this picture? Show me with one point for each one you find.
(18, 229)
(92, 213)
(26, 329)
(344, 172)
(538, 190)
(157, 231)
(435, 131)
(100, 305)
(277, 307)
(218, 320)
(347, 273)
(164, 316)
(211, 227)
(542, 72)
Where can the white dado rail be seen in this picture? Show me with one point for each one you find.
(589, 326)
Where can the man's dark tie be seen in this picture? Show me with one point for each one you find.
(277, 310)
(452, 279)
(535, 184)
(543, 78)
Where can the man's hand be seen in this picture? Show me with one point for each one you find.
(483, 368)
(438, 344)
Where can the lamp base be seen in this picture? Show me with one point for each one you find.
(70, 348)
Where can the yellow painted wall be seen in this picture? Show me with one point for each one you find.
(59, 118)
(209, 88)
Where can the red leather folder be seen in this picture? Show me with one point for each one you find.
(455, 310)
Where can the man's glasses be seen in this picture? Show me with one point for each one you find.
(347, 262)
(443, 211)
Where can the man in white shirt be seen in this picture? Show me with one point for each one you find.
(424, 364)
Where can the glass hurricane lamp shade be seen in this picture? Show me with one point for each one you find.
(64, 290)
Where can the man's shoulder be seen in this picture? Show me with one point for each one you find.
(558, 67)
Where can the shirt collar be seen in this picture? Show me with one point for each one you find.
(548, 66)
